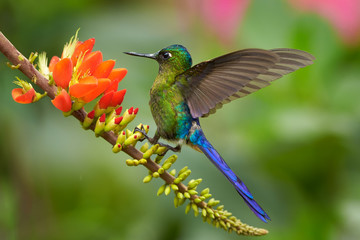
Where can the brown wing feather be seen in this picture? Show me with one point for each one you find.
(211, 84)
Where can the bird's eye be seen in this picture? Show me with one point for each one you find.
(166, 55)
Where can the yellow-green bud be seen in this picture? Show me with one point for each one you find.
(99, 126)
(144, 147)
(136, 162)
(203, 212)
(142, 161)
(205, 191)
(117, 148)
(209, 210)
(176, 202)
(161, 170)
(222, 223)
(161, 190)
(180, 195)
(177, 180)
(184, 175)
(166, 166)
(129, 162)
(128, 133)
(158, 159)
(183, 169)
(188, 208)
(187, 195)
(148, 153)
(161, 150)
(167, 190)
(192, 192)
(228, 224)
(121, 138)
(212, 202)
(197, 200)
(194, 207)
(173, 172)
(132, 138)
(156, 174)
(110, 117)
(227, 214)
(208, 195)
(181, 201)
(147, 179)
(174, 187)
(109, 125)
(193, 184)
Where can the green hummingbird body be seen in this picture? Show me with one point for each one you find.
(167, 101)
(181, 94)
(165, 104)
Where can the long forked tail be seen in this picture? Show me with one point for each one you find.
(198, 139)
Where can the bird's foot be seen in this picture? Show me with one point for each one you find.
(168, 147)
(145, 136)
(155, 140)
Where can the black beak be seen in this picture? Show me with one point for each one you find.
(151, 55)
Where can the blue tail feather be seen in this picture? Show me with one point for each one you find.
(198, 138)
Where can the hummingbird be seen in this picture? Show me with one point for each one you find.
(182, 93)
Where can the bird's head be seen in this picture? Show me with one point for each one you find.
(173, 58)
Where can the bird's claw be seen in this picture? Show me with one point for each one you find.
(154, 140)
(142, 130)
(168, 147)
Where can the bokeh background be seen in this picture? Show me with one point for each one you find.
(296, 144)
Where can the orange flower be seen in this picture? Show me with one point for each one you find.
(62, 72)
(62, 101)
(112, 99)
(117, 98)
(104, 69)
(116, 76)
(82, 48)
(83, 87)
(103, 84)
(20, 95)
(86, 75)
(54, 60)
(105, 100)
(89, 64)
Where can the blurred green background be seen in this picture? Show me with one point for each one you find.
(295, 143)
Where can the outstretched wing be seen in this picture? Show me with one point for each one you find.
(209, 85)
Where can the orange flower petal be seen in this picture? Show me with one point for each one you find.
(54, 60)
(103, 84)
(62, 101)
(85, 86)
(20, 97)
(90, 63)
(63, 72)
(118, 98)
(116, 76)
(106, 100)
(104, 69)
(82, 47)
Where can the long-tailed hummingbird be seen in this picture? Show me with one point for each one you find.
(182, 93)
